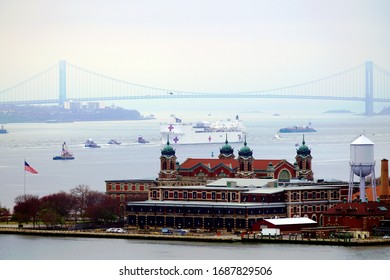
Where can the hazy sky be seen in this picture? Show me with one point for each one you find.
(195, 45)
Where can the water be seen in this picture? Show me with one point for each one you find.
(38, 143)
(15, 247)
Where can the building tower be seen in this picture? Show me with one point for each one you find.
(245, 162)
(226, 151)
(168, 163)
(385, 191)
(362, 164)
(303, 159)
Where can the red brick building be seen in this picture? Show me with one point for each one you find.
(198, 171)
(129, 190)
(363, 216)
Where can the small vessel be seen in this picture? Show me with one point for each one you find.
(65, 154)
(202, 132)
(91, 144)
(297, 129)
(141, 140)
(114, 142)
(277, 136)
(3, 130)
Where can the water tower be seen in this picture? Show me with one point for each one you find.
(362, 164)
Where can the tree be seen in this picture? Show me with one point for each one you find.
(5, 214)
(61, 203)
(80, 195)
(27, 208)
(100, 207)
(56, 208)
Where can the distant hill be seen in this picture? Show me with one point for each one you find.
(22, 114)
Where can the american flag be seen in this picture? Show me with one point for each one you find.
(28, 168)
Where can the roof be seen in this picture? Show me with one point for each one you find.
(362, 140)
(239, 182)
(290, 221)
(258, 164)
(369, 208)
(211, 163)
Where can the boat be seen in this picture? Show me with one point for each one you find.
(3, 130)
(114, 142)
(277, 136)
(141, 140)
(297, 129)
(91, 144)
(65, 154)
(202, 132)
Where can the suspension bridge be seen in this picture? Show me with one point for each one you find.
(64, 81)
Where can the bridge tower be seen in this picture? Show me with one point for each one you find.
(62, 83)
(369, 88)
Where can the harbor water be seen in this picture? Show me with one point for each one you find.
(37, 143)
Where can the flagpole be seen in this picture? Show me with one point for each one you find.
(24, 177)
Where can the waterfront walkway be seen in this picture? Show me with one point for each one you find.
(200, 237)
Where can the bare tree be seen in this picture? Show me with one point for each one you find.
(80, 195)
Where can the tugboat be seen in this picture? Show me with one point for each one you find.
(3, 131)
(114, 142)
(91, 144)
(141, 140)
(65, 154)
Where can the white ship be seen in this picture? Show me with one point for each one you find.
(178, 132)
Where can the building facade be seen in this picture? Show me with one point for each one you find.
(232, 203)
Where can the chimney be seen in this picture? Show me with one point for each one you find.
(385, 177)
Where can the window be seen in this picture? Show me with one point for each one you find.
(185, 195)
(154, 194)
(213, 195)
(233, 196)
(165, 194)
(175, 194)
(223, 195)
(203, 195)
(194, 195)
(284, 176)
(305, 195)
(313, 195)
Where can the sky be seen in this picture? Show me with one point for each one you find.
(194, 45)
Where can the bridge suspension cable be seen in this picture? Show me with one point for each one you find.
(80, 84)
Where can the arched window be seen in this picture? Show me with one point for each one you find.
(284, 176)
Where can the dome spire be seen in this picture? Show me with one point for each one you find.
(226, 151)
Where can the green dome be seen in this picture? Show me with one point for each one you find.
(226, 149)
(168, 150)
(303, 150)
(245, 151)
